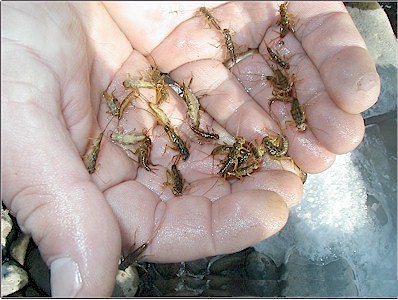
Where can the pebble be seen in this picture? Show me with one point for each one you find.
(6, 227)
(195, 284)
(263, 276)
(231, 286)
(166, 271)
(127, 282)
(219, 293)
(32, 292)
(13, 278)
(231, 265)
(19, 247)
(182, 293)
(304, 278)
(260, 266)
(197, 267)
(163, 287)
(246, 273)
(264, 288)
(376, 211)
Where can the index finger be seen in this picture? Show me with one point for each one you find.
(335, 46)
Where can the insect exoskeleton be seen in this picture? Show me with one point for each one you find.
(178, 141)
(205, 134)
(240, 57)
(135, 93)
(192, 102)
(170, 130)
(230, 44)
(276, 57)
(143, 153)
(298, 115)
(276, 146)
(92, 155)
(94, 150)
(242, 158)
(159, 114)
(112, 102)
(133, 257)
(209, 18)
(243, 171)
(131, 83)
(126, 138)
(157, 79)
(282, 86)
(193, 108)
(286, 20)
(174, 179)
(231, 162)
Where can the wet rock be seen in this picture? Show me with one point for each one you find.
(126, 282)
(146, 276)
(363, 5)
(197, 267)
(376, 211)
(304, 278)
(19, 247)
(166, 287)
(231, 265)
(339, 269)
(319, 288)
(262, 275)
(264, 288)
(195, 284)
(166, 271)
(219, 293)
(38, 270)
(182, 293)
(6, 227)
(231, 286)
(261, 266)
(13, 278)
(294, 271)
(245, 273)
(32, 292)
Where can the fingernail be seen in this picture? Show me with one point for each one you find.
(368, 81)
(65, 278)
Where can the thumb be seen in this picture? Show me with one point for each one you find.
(48, 189)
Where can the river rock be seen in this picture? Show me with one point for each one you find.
(19, 247)
(304, 278)
(126, 282)
(232, 265)
(6, 227)
(13, 278)
(260, 266)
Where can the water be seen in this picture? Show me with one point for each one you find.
(348, 212)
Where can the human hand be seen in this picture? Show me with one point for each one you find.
(184, 46)
(46, 105)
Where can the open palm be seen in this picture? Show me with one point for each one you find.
(59, 58)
